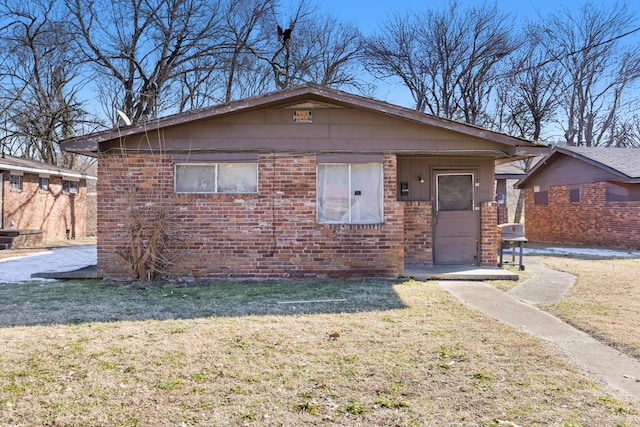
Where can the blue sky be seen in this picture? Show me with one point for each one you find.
(369, 13)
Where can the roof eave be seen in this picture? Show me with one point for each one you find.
(46, 171)
(89, 144)
(596, 163)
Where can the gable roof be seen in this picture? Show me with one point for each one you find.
(623, 163)
(309, 95)
(10, 163)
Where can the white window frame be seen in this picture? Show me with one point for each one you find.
(216, 172)
(71, 188)
(40, 181)
(351, 193)
(15, 180)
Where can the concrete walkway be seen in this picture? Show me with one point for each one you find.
(601, 362)
(23, 268)
(546, 286)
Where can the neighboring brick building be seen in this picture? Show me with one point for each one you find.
(585, 196)
(40, 203)
(303, 182)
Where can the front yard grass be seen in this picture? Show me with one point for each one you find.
(605, 300)
(375, 353)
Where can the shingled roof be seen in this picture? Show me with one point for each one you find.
(622, 162)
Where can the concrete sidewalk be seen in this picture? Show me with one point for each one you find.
(602, 362)
(545, 286)
(23, 268)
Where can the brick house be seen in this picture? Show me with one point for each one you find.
(302, 182)
(40, 203)
(585, 196)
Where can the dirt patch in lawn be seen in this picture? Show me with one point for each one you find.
(375, 353)
(605, 300)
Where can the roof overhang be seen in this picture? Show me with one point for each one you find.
(309, 94)
(558, 152)
(44, 170)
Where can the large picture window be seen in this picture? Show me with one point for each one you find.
(239, 178)
(350, 193)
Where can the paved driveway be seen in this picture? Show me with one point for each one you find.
(20, 269)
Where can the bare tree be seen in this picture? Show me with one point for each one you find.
(598, 70)
(242, 35)
(528, 97)
(42, 81)
(141, 47)
(395, 51)
(448, 59)
(628, 132)
(309, 47)
(337, 45)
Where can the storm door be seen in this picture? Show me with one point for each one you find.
(456, 220)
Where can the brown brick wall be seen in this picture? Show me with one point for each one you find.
(59, 215)
(489, 240)
(270, 234)
(591, 222)
(418, 222)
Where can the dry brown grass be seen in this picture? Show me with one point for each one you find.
(415, 357)
(605, 300)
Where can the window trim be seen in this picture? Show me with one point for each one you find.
(351, 194)
(15, 181)
(71, 189)
(541, 197)
(216, 172)
(575, 195)
(40, 182)
(473, 189)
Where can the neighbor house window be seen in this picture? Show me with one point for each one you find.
(574, 195)
(540, 197)
(16, 181)
(69, 186)
(43, 183)
(239, 178)
(350, 193)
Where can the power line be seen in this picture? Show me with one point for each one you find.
(581, 50)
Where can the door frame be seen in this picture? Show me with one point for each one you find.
(475, 173)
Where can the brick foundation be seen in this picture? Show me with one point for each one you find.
(591, 222)
(270, 234)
